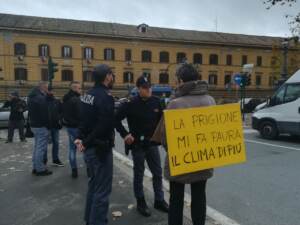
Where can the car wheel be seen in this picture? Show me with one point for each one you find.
(268, 130)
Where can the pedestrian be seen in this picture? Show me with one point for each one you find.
(96, 139)
(39, 122)
(190, 93)
(71, 118)
(143, 112)
(54, 125)
(16, 116)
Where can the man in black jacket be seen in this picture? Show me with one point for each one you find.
(143, 113)
(16, 117)
(96, 139)
(39, 118)
(54, 125)
(71, 118)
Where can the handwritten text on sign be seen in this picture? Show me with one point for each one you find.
(204, 137)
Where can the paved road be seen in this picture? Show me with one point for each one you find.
(263, 191)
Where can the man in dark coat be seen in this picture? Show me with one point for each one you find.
(71, 119)
(16, 117)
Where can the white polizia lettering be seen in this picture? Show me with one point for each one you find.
(88, 99)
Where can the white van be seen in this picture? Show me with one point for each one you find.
(281, 114)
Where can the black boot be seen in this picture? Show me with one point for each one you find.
(74, 173)
(161, 206)
(142, 207)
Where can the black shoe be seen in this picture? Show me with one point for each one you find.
(161, 206)
(23, 140)
(74, 173)
(8, 141)
(142, 207)
(43, 173)
(33, 171)
(57, 163)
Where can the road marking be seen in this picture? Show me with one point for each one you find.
(273, 145)
(212, 213)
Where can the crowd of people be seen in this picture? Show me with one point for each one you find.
(90, 120)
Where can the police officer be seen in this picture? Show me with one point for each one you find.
(143, 113)
(96, 139)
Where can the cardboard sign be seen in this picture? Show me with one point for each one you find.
(204, 137)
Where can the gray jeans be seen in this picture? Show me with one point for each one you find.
(41, 136)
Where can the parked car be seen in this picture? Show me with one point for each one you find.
(4, 116)
(250, 104)
(281, 112)
(119, 102)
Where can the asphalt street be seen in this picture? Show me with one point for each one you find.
(263, 191)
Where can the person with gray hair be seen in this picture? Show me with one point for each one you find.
(39, 122)
(16, 117)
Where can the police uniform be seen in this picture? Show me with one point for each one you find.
(143, 116)
(97, 135)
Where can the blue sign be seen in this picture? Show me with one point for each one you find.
(237, 78)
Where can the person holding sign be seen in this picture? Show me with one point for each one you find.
(190, 93)
(143, 113)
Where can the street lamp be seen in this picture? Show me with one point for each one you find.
(82, 56)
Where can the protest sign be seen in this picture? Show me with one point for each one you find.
(204, 137)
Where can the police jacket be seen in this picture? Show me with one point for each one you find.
(97, 117)
(38, 108)
(71, 109)
(17, 107)
(142, 116)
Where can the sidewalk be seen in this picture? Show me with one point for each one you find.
(58, 199)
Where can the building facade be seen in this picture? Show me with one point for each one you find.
(77, 46)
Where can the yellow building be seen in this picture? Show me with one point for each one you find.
(77, 46)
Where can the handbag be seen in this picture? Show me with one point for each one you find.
(28, 131)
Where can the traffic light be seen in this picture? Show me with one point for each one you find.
(52, 68)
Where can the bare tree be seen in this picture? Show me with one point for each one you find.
(294, 19)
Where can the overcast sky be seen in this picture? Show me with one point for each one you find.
(233, 16)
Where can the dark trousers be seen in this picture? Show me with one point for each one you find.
(151, 155)
(99, 187)
(15, 124)
(198, 204)
(54, 137)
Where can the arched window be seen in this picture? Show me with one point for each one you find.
(20, 49)
(67, 75)
(20, 74)
(163, 78)
(146, 56)
(181, 57)
(88, 53)
(227, 79)
(128, 77)
(66, 51)
(44, 50)
(197, 58)
(88, 76)
(109, 54)
(148, 75)
(213, 59)
(229, 60)
(164, 57)
(213, 79)
(44, 74)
